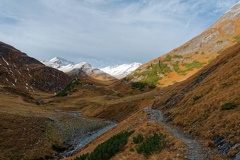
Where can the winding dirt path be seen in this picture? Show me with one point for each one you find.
(195, 151)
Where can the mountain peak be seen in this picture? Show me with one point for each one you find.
(57, 62)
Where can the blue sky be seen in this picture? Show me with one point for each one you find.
(105, 32)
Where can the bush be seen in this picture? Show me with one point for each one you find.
(229, 106)
(138, 85)
(152, 86)
(197, 97)
(152, 144)
(109, 148)
(138, 139)
(82, 157)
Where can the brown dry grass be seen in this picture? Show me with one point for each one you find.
(139, 123)
(28, 131)
(203, 118)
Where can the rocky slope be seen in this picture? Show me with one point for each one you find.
(184, 61)
(81, 69)
(121, 71)
(21, 71)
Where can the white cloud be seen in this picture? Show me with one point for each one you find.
(123, 30)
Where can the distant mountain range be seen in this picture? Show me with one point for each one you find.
(83, 68)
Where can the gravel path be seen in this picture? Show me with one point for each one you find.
(195, 151)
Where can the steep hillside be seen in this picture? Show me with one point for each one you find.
(184, 61)
(207, 105)
(80, 69)
(20, 71)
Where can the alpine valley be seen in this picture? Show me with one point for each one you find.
(184, 105)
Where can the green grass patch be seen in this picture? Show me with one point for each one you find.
(195, 98)
(69, 88)
(193, 65)
(210, 60)
(220, 51)
(229, 106)
(168, 58)
(177, 56)
(237, 38)
(177, 69)
(109, 148)
(151, 76)
(152, 144)
(138, 139)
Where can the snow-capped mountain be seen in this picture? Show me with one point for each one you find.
(121, 71)
(82, 68)
(57, 63)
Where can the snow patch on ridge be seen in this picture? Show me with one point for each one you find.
(121, 71)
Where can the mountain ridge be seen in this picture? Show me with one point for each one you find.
(185, 60)
(84, 68)
(21, 71)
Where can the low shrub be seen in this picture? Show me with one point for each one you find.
(195, 98)
(109, 148)
(82, 157)
(69, 88)
(229, 106)
(152, 144)
(138, 85)
(138, 139)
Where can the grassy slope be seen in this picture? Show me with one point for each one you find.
(121, 104)
(139, 123)
(29, 131)
(184, 61)
(195, 104)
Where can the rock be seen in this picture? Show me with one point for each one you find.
(237, 157)
(40, 102)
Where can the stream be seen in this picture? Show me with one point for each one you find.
(89, 139)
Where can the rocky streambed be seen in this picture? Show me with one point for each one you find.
(68, 131)
(87, 139)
